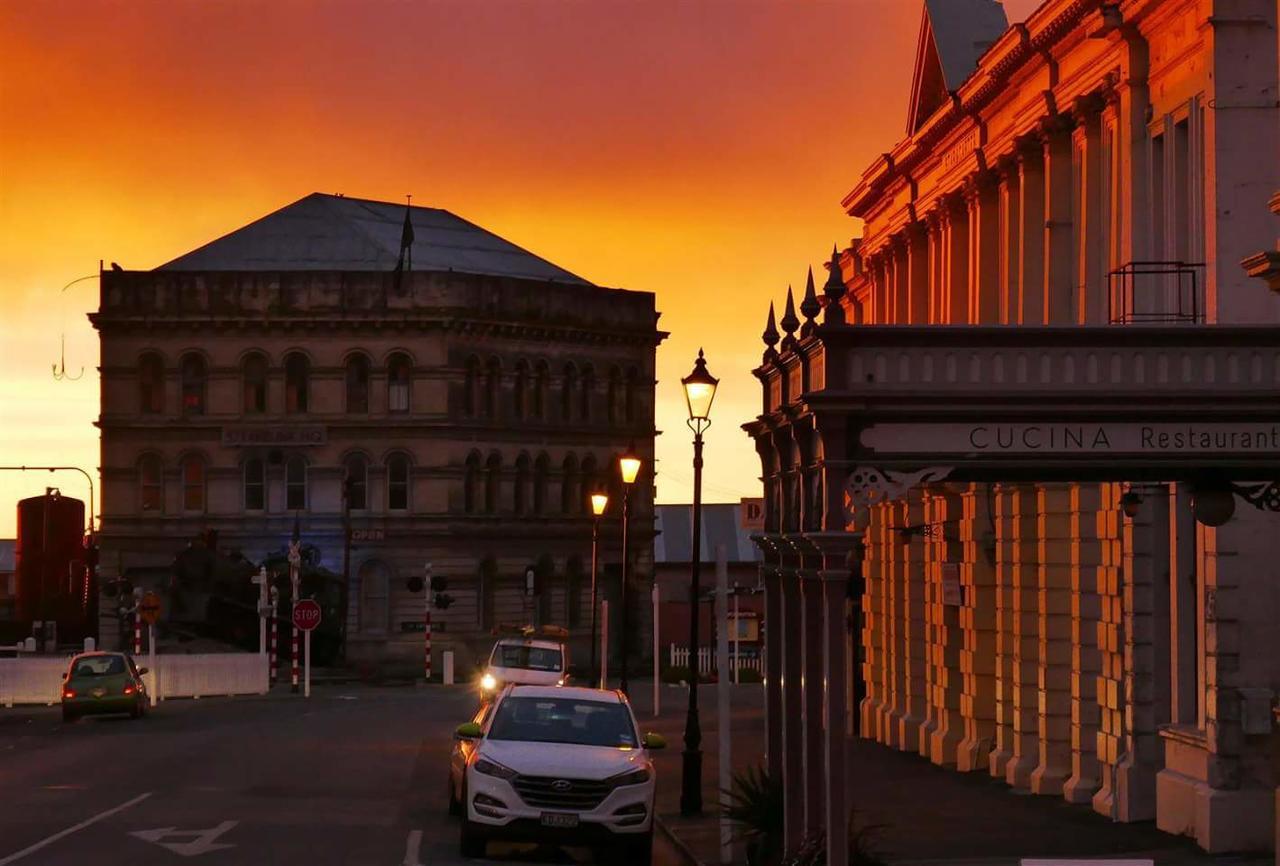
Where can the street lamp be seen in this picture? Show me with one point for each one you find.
(599, 502)
(699, 392)
(629, 468)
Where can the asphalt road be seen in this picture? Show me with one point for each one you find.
(350, 777)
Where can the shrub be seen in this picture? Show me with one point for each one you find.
(862, 852)
(755, 806)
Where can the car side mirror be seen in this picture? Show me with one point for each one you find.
(468, 731)
(654, 741)
(142, 671)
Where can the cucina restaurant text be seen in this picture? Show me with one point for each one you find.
(1117, 438)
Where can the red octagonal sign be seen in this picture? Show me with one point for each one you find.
(306, 614)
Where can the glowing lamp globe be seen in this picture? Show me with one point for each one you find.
(699, 390)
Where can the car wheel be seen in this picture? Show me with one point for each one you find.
(455, 805)
(69, 715)
(638, 852)
(135, 712)
(471, 842)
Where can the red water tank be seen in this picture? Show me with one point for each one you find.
(51, 564)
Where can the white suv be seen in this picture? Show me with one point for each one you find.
(561, 765)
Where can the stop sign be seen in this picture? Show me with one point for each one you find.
(306, 614)
(149, 608)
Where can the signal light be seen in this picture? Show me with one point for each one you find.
(439, 584)
(443, 600)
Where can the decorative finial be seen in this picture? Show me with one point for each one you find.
(789, 320)
(809, 306)
(834, 290)
(770, 335)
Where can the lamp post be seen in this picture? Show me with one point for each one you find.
(699, 392)
(599, 502)
(629, 467)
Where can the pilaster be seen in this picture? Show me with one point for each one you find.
(916, 308)
(773, 671)
(946, 553)
(1059, 265)
(983, 199)
(1054, 645)
(1009, 196)
(814, 664)
(955, 241)
(1025, 644)
(1002, 679)
(1086, 555)
(791, 637)
(1090, 227)
(978, 626)
(1028, 307)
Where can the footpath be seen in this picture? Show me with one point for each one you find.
(927, 816)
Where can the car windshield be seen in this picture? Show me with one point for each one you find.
(532, 658)
(563, 720)
(98, 666)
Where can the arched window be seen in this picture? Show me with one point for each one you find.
(192, 374)
(492, 483)
(615, 394)
(151, 384)
(295, 483)
(193, 476)
(254, 376)
(357, 385)
(356, 476)
(590, 481)
(375, 597)
(471, 388)
(399, 373)
(471, 484)
(630, 405)
(297, 382)
(150, 483)
(541, 469)
(255, 484)
(588, 392)
(521, 393)
(568, 391)
(541, 386)
(492, 385)
(569, 487)
(522, 484)
(397, 483)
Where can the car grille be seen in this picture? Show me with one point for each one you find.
(549, 792)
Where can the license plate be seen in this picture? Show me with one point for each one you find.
(559, 819)
(97, 693)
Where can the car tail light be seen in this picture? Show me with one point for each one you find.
(128, 690)
(68, 693)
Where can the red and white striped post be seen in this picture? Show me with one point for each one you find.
(275, 638)
(137, 622)
(426, 640)
(295, 561)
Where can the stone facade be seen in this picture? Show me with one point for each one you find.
(468, 417)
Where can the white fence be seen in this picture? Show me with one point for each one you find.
(38, 679)
(679, 658)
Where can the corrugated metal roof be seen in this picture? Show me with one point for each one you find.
(721, 524)
(8, 555)
(334, 233)
(962, 31)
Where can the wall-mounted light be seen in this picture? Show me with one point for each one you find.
(1212, 504)
(1130, 503)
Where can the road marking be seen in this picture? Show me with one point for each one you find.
(203, 842)
(412, 847)
(14, 858)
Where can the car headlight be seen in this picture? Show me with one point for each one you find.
(485, 767)
(634, 777)
(488, 682)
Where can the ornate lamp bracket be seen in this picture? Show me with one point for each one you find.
(1264, 496)
(868, 486)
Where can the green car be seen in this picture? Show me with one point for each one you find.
(101, 682)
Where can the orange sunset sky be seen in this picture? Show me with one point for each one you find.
(692, 148)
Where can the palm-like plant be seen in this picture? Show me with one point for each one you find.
(755, 806)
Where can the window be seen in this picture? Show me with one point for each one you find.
(541, 383)
(151, 384)
(399, 372)
(522, 484)
(297, 382)
(630, 407)
(588, 393)
(192, 373)
(193, 474)
(563, 720)
(541, 469)
(356, 474)
(568, 392)
(255, 484)
(492, 483)
(590, 482)
(569, 489)
(375, 585)
(150, 483)
(471, 388)
(615, 392)
(398, 483)
(357, 385)
(471, 484)
(492, 384)
(295, 483)
(522, 389)
(254, 374)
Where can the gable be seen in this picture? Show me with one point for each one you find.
(954, 34)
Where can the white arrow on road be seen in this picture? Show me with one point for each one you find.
(203, 842)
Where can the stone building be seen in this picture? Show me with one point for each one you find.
(1029, 430)
(453, 401)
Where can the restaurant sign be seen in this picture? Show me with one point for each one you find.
(241, 437)
(1156, 440)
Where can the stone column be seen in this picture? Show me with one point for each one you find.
(1025, 644)
(1002, 675)
(978, 657)
(1029, 306)
(814, 665)
(1110, 648)
(899, 303)
(918, 265)
(946, 553)
(955, 294)
(1054, 646)
(1059, 264)
(891, 515)
(916, 722)
(936, 262)
(1010, 226)
(793, 742)
(1086, 556)
(1091, 230)
(984, 249)
(871, 709)
(773, 630)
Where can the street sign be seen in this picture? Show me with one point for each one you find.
(306, 614)
(149, 608)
